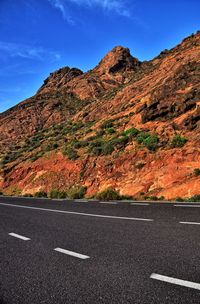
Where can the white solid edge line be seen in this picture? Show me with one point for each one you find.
(19, 236)
(139, 204)
(108, 203)
(175, 281)
(71, 253)
(188, 206)
(79, 213)
(189, 223)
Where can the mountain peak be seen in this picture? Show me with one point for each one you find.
(119, 59)
(60, 78)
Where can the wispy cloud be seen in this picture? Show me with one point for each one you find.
(120, 7)
(8, 49)
(62, 7)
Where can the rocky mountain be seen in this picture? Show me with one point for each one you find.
(130, 125)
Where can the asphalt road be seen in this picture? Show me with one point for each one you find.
(98, 252)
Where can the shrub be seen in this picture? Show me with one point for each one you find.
(37, 156)
(107, 148)
(40, 194)
(110, 130)
(195, 198)
(80, 144)
(70, 153)
(109, 194)
(142, 136)
(77, 192)
(132, 132)
(120, 142)
(151, 142)
(51, 146)
(57, 194)
(179, 199)
(197, 172)
(148, 140)
(107, 124)
(27, 195)
(100, 133)
(1, 193)
(178, 141)
(154, 198)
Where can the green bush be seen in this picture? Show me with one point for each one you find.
(107, 148)
(195, 198)
(142, 136)
(70, 153)
(51, 146)
(178, 141)
(120, 142)
(107, 124)
(179, 199)
(154, 198)
(132, 132)
(111, 131)
(100, 147)
(77, 192)
(197, 172)
(27, 195)
(40, 194)
(95, 147)
(80, 144)
(151, 142)
(108, 194)
(57, 194)
(148, 140)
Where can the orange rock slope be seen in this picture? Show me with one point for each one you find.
(160, 97)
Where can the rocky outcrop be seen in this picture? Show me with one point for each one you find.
(160, 97)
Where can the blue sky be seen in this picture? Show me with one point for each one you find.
(40, 36)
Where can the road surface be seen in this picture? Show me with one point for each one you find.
(64, 252)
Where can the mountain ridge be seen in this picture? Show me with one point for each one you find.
(160, 97)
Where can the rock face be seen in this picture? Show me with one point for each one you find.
(119, 60)
(74, 130)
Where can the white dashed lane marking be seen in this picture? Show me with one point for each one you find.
(139, 204)
(19, 236)
(108, 203)
(175, 281)
(189, 223)
(71, 253)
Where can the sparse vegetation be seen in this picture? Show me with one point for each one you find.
(76, 192)
(194, 198)
(154, 198)
(41, 194)
(107, 124)
(197, 172)
(179, 199)
(27, 195)
(110, 130)
(111, 194)
(54, 193)
(178, 141)
(131, 133)
(108, 194)
(148, 140)
(70, 153)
